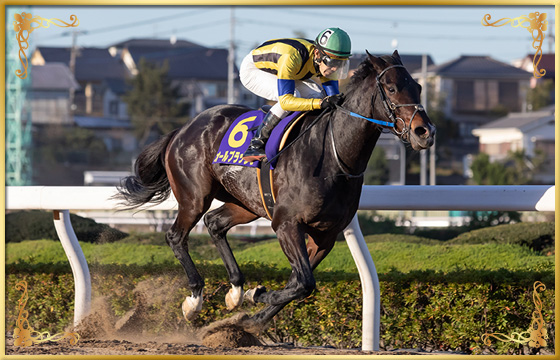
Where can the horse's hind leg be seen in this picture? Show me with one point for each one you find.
(177, 238)
(219, 222)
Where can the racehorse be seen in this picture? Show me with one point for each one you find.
(317, 180)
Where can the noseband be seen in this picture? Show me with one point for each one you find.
(390, 106)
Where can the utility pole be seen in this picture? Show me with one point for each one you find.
(423, 100)
(72, 66)
(18, 167)
(231, 60)
(550, 39)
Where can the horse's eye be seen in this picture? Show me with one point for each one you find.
(391, 90)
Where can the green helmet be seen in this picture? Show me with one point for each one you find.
(334, 42)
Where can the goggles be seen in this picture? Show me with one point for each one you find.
(341, 66)
(332, 63)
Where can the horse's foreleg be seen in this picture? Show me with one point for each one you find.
(319, 246)
(301, 283)
(219, 222)
(177, 238)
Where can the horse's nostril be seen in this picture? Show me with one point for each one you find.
(421, 131)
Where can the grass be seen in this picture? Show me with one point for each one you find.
(389, 252)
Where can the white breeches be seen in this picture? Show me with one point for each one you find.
(265, 85)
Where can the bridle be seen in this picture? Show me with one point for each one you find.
(390, 108)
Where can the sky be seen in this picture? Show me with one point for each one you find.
(443, 32)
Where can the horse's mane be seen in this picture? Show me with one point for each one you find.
(366, 68)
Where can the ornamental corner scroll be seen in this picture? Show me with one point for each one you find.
(536, 335)
(25, 24)
(24, 335)
(536, 24)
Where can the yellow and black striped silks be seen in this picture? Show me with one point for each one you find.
(290, 60)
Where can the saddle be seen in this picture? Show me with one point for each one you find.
(237, 139)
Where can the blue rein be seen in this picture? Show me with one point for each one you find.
(375, 121)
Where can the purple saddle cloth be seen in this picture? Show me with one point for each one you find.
(238, 137)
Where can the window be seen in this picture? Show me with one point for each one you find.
(114, 107)
(509, 95)
(464, 95)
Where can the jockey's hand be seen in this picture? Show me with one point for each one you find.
(330, 102)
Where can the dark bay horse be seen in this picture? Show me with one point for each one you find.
(318, 180)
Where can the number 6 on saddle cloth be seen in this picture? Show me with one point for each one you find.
(237, 140)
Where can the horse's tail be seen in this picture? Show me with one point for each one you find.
(150, 182)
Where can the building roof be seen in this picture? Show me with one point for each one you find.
(478, 67)
(187, 63)
(92, 64)
(117, 86)
(101, 122)
(546, 62)
(155, 43)
(522, 121)
(52, 76)
(412, 62)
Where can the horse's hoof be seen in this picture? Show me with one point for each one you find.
(252, 293)
(191, 307)
(234, 297)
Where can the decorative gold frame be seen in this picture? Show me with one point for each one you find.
(23, 26)
(536, 335)
(536, 23)
(24, 335)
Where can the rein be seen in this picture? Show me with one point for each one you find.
(389, 107)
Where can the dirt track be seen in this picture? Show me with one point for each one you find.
(126, 347)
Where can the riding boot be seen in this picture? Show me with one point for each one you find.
(255, 151)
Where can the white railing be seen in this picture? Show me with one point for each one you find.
(477, 198)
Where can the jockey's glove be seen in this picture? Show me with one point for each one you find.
(331, 101)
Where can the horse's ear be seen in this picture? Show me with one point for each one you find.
(378, 63)
(397, 57)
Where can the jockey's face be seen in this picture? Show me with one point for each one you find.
(331, 68)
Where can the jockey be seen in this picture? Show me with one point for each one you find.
(280, 70)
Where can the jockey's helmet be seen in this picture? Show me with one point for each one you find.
(334, 46)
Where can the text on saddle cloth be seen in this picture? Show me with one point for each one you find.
(238, 137)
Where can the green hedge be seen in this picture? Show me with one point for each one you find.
(537, 236)
(425, 309)
(35, 224)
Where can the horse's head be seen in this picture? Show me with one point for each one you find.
(397, 100)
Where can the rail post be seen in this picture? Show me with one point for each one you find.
(371, 306)
(78, 263)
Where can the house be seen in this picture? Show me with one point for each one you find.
(545, 63)
(474, 90)
(200, 73)
(412, 62)
(531, 132)
(113, 105)
(92, 67)
(50, 94)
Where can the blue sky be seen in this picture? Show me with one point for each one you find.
(444, 32)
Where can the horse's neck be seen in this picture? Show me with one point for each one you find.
(355, 138)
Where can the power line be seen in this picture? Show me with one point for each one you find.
(130, 25)
(388, 20)
(401, 35)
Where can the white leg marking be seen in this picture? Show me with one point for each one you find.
(234, 297)
(191, 307)
(250, 294)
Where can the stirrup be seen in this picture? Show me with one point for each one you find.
(254, 153)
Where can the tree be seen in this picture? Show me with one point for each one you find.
(490, 173)
(517, 169)
(541, 95)
(377, 172)
(152, 101)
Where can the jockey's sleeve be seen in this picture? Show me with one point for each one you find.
(331, 87)
(290, 67)
(289, 102)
